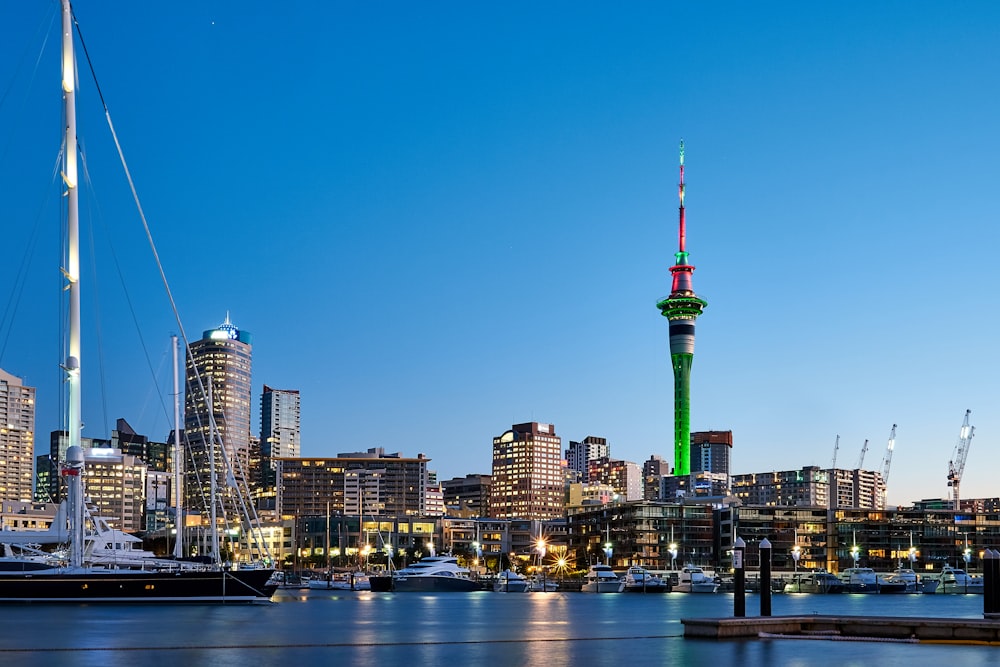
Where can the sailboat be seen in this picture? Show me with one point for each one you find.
(84, 576)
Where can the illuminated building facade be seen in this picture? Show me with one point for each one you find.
(528, 480)
(17, 439)
(217, 412)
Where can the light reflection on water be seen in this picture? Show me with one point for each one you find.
(551, 629)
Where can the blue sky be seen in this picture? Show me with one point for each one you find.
(439, 219)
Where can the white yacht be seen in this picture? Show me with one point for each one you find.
(509, 581)
(692, 579)
(640, 580)
(602, 579)
(953, 580)
(434, 573)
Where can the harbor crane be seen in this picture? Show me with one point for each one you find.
(887, 461)
(957, 464)
(864, 450)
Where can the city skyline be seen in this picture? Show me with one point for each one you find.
(464, 213)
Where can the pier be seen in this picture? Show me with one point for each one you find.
(847, 628)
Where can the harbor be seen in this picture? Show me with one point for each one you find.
(551, 629)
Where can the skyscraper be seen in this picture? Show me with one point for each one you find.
(17, 438)
(682, 308)
(528, 480)
(217, 410)
(279, 437)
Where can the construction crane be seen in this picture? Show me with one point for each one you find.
(864, 450)
(836, 446)
(957, 464)
(887, 461)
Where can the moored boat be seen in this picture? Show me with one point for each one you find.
(953, 580)
(819, 581)
(692, 579)
(509, 581)
(430, 574)
(602, 579)
(640, 580)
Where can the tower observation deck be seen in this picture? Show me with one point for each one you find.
(682, 308)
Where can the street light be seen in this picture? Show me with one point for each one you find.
(796, 555)
(672, 550)
(855, 554)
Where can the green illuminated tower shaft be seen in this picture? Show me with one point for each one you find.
(682, 308)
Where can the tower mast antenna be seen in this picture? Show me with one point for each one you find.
(681, 308)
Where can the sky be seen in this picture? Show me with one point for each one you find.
(440, 219)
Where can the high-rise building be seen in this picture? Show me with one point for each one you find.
(682, 308)
(217, 414)
(17, 439)
(528, 480)
(711, 451)
(58, 444)
(115, 484)
(279, 435)
(580, 454)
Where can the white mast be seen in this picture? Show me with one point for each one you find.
(178, 464)
(72, 273)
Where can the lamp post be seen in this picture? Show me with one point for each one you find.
(672, 550)
(855, 554)
(796, 555)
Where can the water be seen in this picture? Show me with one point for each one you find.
(550, 629)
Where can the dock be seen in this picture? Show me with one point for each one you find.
(847, 628)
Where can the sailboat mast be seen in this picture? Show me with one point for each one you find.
(72, 273)
(178, 463)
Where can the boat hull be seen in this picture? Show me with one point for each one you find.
(602, 587)
(138, 586)
(433, 584)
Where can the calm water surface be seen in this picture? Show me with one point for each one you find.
(550, 629)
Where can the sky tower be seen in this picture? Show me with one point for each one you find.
(682, 308)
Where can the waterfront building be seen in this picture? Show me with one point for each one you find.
(682, 307)
(528, 473)
(580, 454)
(469, 494)
(17, 439)
(858, 488)
(370, 483)
(642, 532)
(434, 500)
(624, 477)
(807, 487)
(217, 416)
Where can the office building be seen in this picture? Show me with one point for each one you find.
(217, 416)
(368, 484)
(528, 480)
